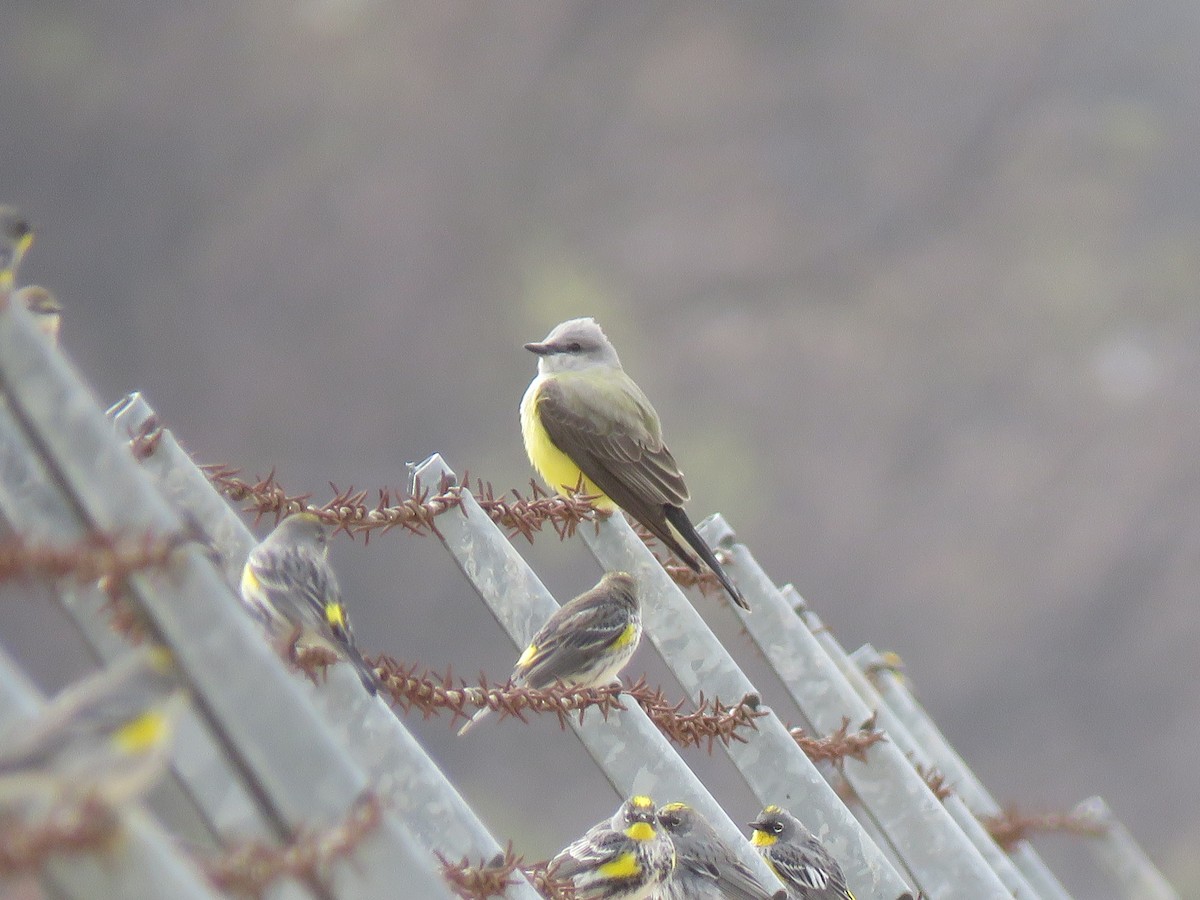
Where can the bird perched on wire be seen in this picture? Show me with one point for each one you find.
(586, 423)
(289, 586)
(43, 306)
(109, 735)
(705, 868)
(585, 643)
(627, 857)
(16, 234)
(795, 855)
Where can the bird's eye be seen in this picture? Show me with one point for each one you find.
(575, 347)
(777, 828)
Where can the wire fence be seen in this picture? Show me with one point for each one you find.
(316, 790)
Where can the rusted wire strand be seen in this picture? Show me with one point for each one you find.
(1010, 825)
(431, 694)
(472, 881)
(249, 869)
(112, 557)
(518, 514)
(841, 744)
(79, 826)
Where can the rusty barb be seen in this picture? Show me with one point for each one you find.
(937, 781)
(431, 694)
(490, 879)
(517, 513)
(1010, 826)
(113, 557)
(80, 826)
(841, 744)
(249, 869)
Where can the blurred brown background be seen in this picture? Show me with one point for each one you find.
(910, 283)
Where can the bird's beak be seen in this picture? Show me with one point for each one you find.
(541, 349)
(757, 826)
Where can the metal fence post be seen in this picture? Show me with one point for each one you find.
(902, 703)
(1117, 853)
(399, 768)
(630, 751)
(943, 862)
(773, 765)
(298, 773)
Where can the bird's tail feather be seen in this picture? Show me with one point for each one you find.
(678, 518)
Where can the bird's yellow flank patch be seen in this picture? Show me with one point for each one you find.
(640, 831)
(625, 638)
(250, 582)
(142, 733)
(762, 839)
(335, 615)
(527, 657)
(624, 866)
(672, 807)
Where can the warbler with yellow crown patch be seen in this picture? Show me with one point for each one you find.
(109, 734)
(626, 857)
(587, 423)
(586, 642)
(797, 858)
(705, 867)
(289, 586)
(16, 235)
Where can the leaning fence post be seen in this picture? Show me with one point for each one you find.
(904, 705)
(773, 765)
(630, 751)
(298, 773)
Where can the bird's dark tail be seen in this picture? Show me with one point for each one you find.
(369, 679)
(678, 518)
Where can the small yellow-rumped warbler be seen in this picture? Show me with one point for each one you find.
(705, 868)
(627, 857)
(289, 586)
(796, 856)
(16, 235)
(108, 734)
(586, 642)
(43, 306)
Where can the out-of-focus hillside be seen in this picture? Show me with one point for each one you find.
(913, 287)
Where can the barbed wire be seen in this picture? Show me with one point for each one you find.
(98, 556)
(410, 688)
(77, 826)
(513, 511)
(936, 780)
(841, 744)
(1010, 825)
(250, 868)
(472, 881)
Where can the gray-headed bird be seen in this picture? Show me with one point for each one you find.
(797, 858)
(627, 857)
(585, 422)
(705, 868)
(289, 586)
(585, 643)
(16, 234)
(109, 734)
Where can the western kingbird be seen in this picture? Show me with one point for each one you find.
(43, 306)
(585, 421)
(16, 235)
(585, 643)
